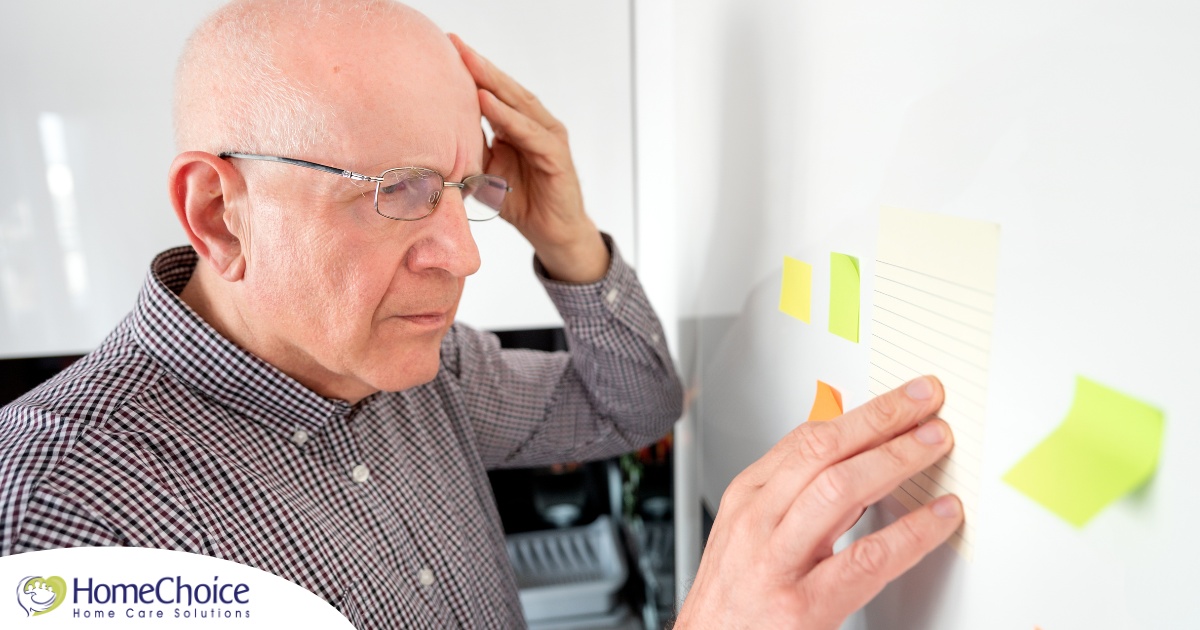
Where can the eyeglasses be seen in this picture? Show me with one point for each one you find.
(410, 193)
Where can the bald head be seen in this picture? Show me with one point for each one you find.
(298, 266)
(285, 76)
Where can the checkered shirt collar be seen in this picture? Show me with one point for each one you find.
(171, 332)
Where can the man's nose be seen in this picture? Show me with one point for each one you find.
(447, 242)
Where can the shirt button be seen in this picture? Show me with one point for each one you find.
(654, 337)
(361, 473)
(299, 437)
(612, 296)
(425, 577)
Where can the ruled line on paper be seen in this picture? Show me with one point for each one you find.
(918, 340)
(933, 301)
(935, 295)
(927, 309)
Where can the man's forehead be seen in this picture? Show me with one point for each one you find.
(397, 98)
(448, 154)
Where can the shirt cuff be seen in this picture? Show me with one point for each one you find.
(606, 295)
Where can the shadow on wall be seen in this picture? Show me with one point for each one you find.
(753, 158)
(754, 152)
(925, 592)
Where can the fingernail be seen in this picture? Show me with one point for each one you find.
(919, 389)
(947, 507)
(931, 433)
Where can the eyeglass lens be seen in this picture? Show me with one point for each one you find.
(411, 193)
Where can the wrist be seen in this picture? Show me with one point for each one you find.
(581, 260)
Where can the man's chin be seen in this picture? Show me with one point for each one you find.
(406, 375)
(393, 365)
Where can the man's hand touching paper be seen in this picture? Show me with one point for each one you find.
(769, 562)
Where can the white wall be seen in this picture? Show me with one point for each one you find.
(85, 143)
(1073, 126)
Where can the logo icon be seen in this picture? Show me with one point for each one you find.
(39, 595)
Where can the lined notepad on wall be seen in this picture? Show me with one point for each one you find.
(935, 283)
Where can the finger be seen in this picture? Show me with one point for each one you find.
(493, 79)
(818, 514)
(487, 150)
(850, 578)
(813, 446)
(539, 146)
(818, 552)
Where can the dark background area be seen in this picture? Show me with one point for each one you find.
(18, 376)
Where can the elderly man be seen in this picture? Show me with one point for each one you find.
(291, 392)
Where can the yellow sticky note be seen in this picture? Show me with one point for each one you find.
(828, 404)
(795, 296)
(843, 296)
(1105, 448)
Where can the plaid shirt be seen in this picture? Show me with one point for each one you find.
(169, 435)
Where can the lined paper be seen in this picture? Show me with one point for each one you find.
(935, 284)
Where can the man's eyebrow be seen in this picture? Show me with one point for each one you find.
(379, 167)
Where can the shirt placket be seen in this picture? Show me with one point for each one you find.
(382, 490)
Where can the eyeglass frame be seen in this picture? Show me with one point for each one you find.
(360, 177)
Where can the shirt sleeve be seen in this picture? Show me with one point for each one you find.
(32, 443)
(615, 390)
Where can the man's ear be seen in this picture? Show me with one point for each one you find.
(202, 187)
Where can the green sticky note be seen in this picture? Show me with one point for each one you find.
(843, 296)
(1106, 448)
(795, 297)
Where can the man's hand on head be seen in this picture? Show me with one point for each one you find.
(769, 562)
(530, 150)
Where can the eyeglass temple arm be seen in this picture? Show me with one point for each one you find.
(306, 164)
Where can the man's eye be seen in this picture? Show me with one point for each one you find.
(399, 186)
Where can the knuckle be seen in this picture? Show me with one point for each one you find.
(818, 441)
(534, 130)
(733, 494)
(737, 520)
(883, 413)
(831, 486)
(908, 532)
(728, 497)
(529, 98)
(896, 456)
(868, 556)
(744, 525)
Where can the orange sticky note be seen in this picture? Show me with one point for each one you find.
(828, 404)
